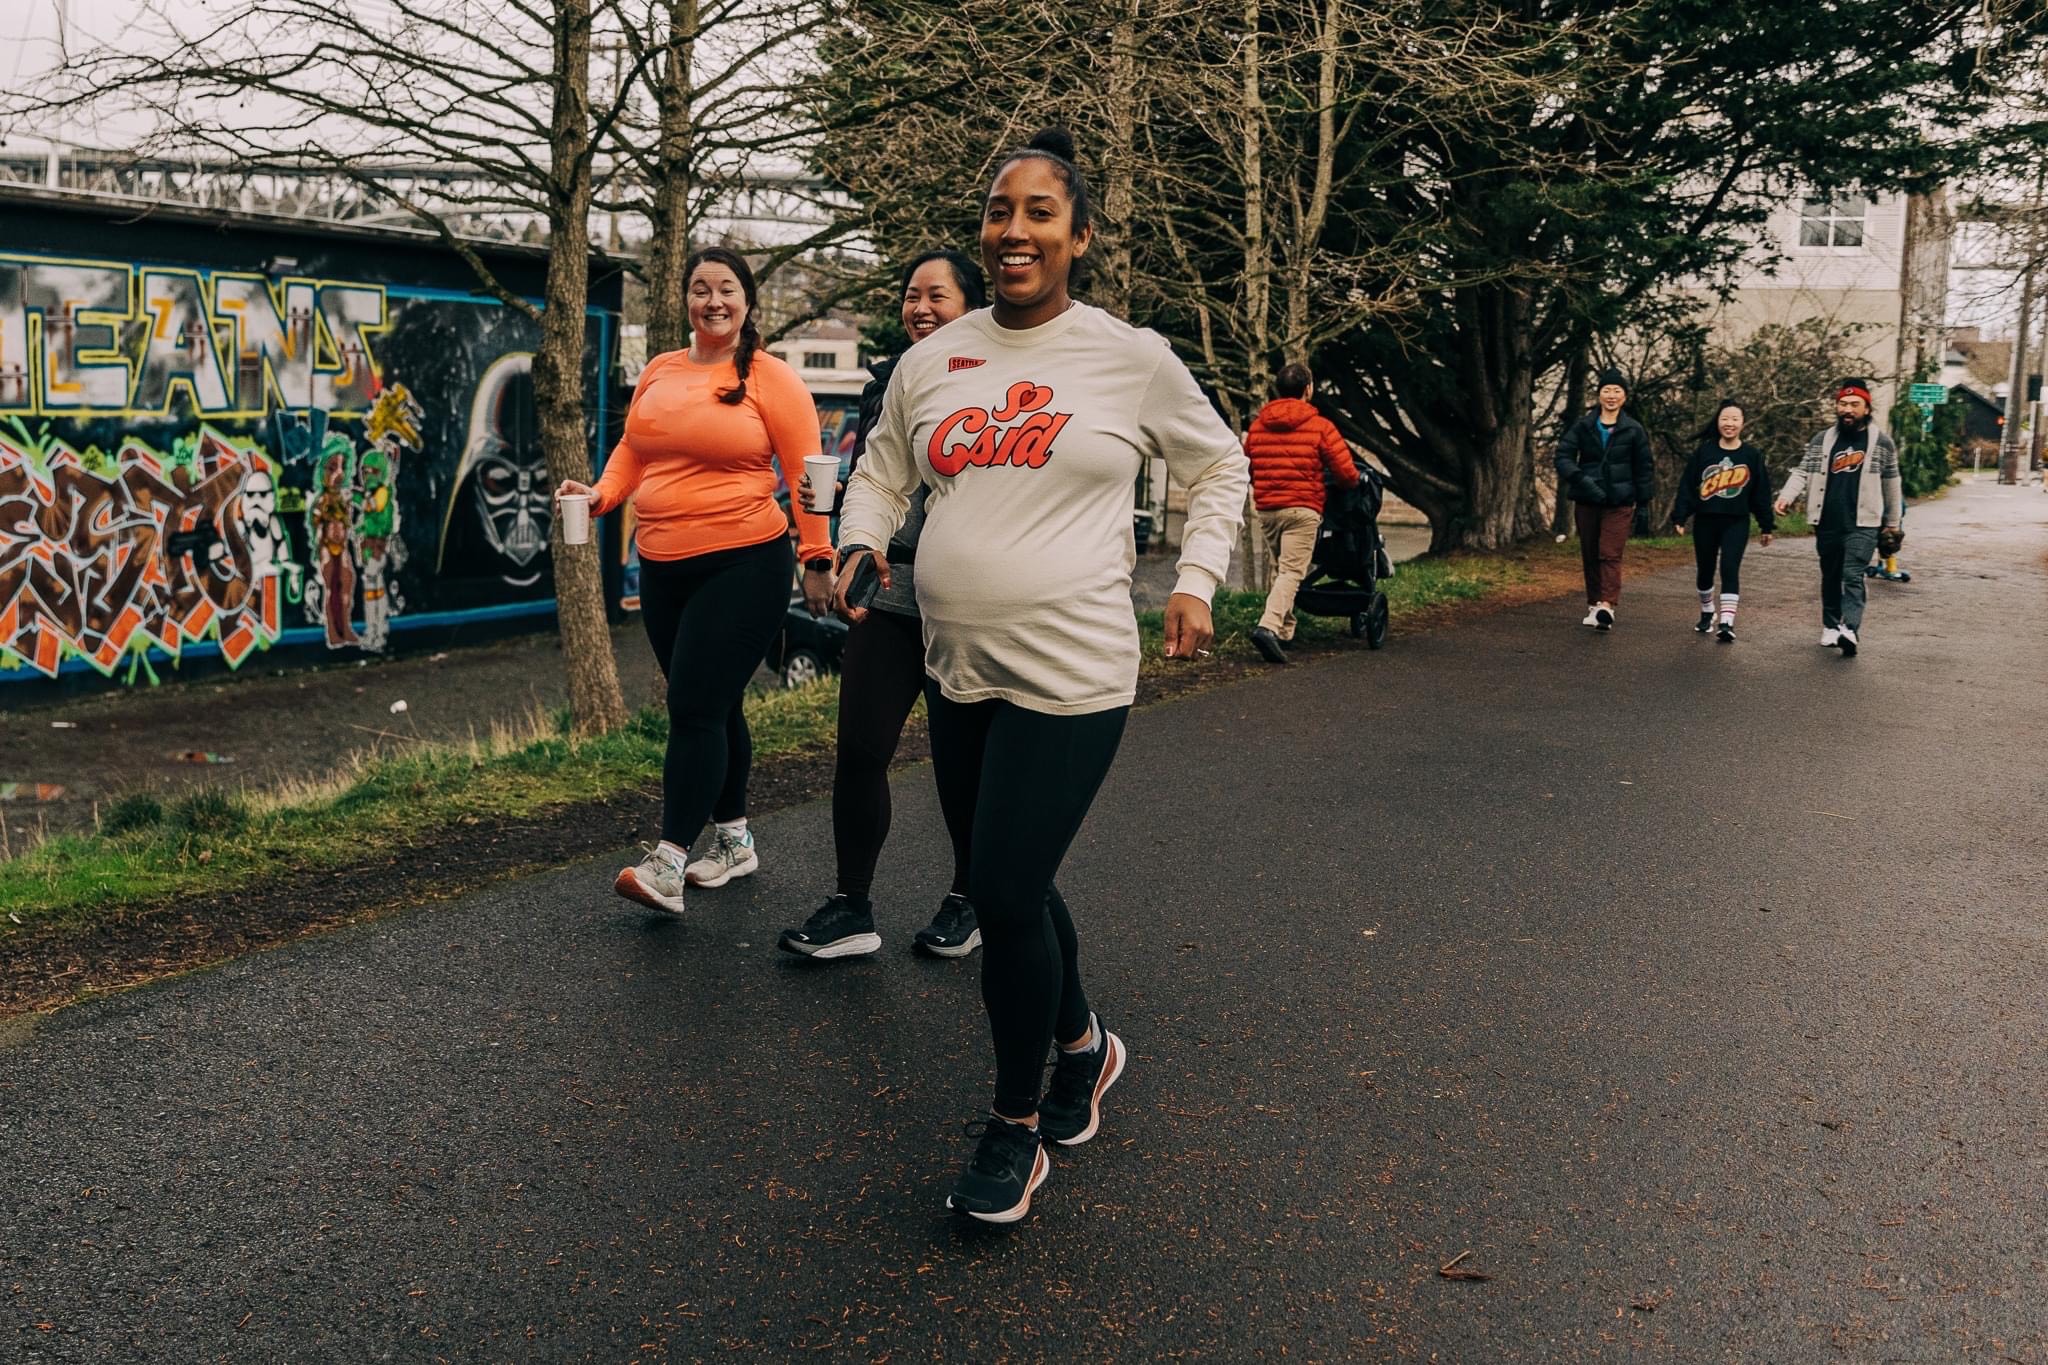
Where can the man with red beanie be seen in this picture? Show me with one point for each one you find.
(1291, 446)
(1850, 480)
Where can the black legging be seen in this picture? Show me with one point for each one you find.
(1017, 785)
(711, 619)
(881, 677)
(1715, 536)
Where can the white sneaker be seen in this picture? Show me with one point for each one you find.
(730, 856)
(1592, 617)
(656, 883)
(1829, 637)
(1603, 617)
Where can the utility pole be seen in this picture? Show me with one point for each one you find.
(54, 175)
(2016, 385)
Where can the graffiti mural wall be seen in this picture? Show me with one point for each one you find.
(219, 451)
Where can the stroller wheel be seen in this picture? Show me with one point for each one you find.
(1376, 622)
(1358, 624)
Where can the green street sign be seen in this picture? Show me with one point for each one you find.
(1927, 395)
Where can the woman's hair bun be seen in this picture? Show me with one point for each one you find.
(1058, 141)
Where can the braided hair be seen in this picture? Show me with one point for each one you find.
(750, 335)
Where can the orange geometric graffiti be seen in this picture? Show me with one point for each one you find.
(98, 565)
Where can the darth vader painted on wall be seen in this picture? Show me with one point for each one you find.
(498, 520)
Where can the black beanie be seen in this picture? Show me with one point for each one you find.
(1610, 375)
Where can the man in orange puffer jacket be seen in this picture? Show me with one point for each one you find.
(1291, 445)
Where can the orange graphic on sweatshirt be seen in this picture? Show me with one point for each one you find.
(996, 435)
(1724, 481)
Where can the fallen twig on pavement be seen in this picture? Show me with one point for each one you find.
(1450, 1269)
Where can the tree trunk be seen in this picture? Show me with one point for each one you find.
(1574, 404)
(595, 703)
(1258, 567)
(1119, 188)
(668, 324)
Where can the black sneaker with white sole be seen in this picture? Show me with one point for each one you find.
(1726, 634)
(1072, 1108)
(1847, 642)
(1008, 1166)
(1706, 622)
(841, 927)
(953, 931)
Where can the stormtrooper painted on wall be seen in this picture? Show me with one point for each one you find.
(270, 545)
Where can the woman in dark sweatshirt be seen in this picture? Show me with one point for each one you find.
(1725, 483)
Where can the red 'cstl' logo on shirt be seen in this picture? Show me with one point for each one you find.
(957, 363)
(1027, 444)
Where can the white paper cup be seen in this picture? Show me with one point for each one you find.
(575, 516)
(824, 472)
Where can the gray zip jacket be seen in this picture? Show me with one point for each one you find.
(1877, 499)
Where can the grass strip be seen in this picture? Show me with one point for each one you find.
(211, 842)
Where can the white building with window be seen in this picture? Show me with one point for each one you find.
(1878, 262)
(826, 355)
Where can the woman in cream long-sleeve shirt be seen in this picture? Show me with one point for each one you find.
(1029, 422)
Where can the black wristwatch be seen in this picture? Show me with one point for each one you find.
(821, 563)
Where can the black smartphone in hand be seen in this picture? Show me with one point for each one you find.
(867, 582)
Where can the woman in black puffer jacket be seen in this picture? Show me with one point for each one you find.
(1603, 466)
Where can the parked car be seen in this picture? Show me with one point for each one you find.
(808, 647)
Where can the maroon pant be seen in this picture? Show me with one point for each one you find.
(1603, 531)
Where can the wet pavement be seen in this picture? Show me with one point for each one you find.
(1687, 993)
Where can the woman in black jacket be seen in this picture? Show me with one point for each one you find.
(1725, 483)
(1603, 466)
(882, 676)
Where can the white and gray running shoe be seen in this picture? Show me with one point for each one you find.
(656, 882)
(730, 856)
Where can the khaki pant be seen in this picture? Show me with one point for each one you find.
(1291, 536)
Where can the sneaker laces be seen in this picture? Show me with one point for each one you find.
(1071, 1080)
(1000, 1143)
(655, 852)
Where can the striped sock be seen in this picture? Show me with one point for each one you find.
(1706, 600)
(1728, 601)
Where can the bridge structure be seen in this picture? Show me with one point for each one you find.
(761, 203)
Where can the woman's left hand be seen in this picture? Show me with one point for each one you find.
(817, 591)
(1189, 627)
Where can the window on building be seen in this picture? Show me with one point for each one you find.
(821, 360)
(1834, 221)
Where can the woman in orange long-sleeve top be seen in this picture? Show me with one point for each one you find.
(703, 435)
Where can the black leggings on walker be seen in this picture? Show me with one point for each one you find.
(1724, 538)
(711, 618)
(1016, 785)
(881, 677)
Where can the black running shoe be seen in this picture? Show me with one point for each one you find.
(1706, 622)
(1268, 644)
(953, 931)
(841, 927)
(1847, 642)
(1072, 1108)
(1726, 634)
(1008, 1165)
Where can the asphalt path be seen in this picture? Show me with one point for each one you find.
(1694, 990)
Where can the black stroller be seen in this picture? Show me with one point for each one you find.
(1350, 559)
